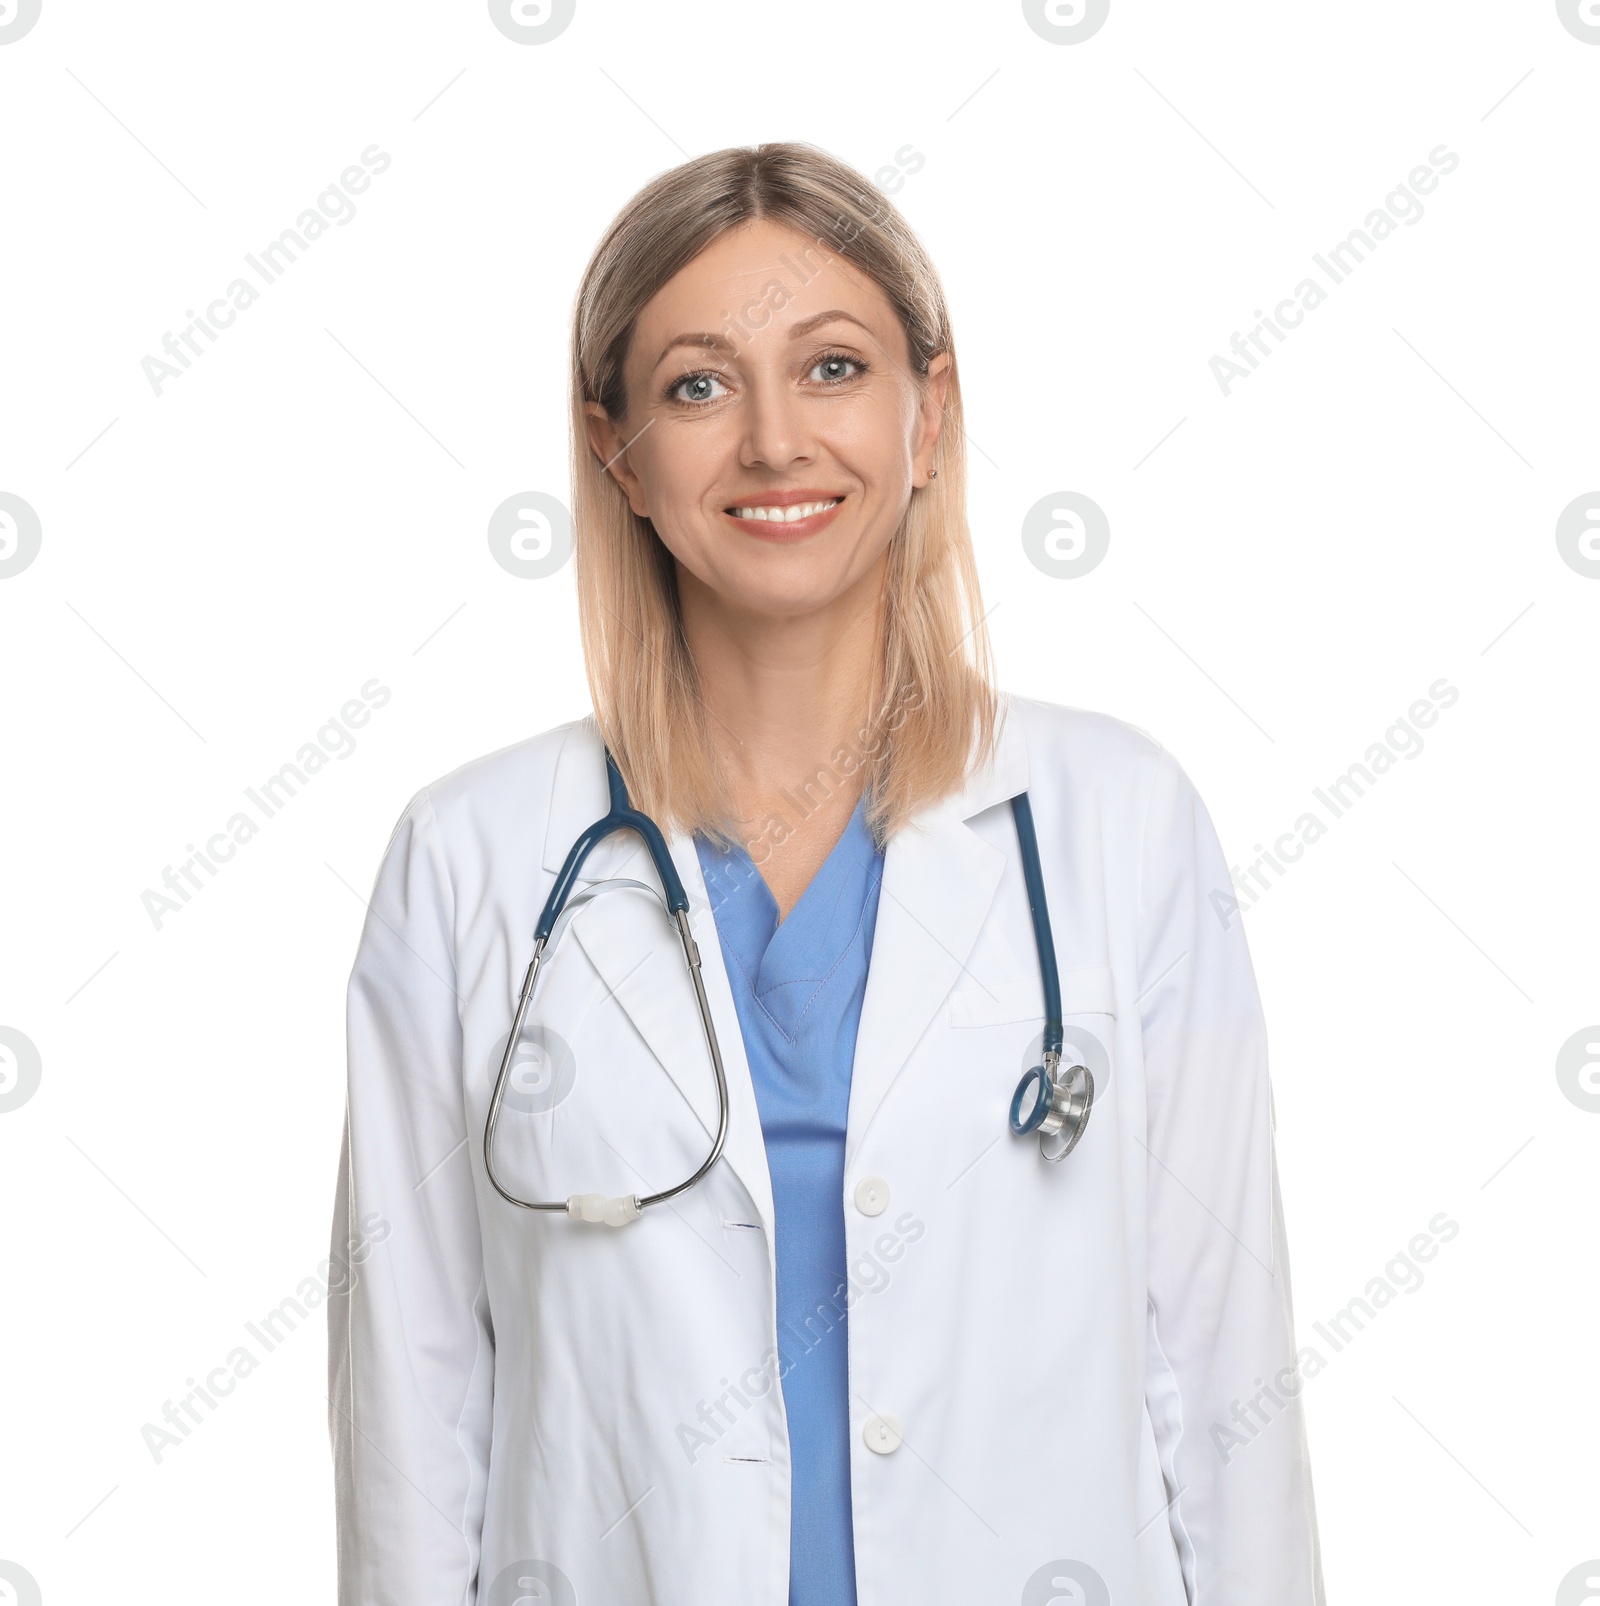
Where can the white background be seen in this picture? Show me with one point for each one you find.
(225, 564)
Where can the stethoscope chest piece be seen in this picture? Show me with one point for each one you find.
(1054, 1101)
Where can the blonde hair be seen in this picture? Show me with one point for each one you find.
(932, 717)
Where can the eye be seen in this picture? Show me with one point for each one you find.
(695, 388)
(835, 368)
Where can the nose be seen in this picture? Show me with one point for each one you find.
(777, 432)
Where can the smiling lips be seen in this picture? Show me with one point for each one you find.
(785, 515)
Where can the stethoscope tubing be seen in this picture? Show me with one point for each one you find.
(1071, 1100)
(622, 817)
(1039, 908)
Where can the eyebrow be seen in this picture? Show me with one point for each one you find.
(707, 341)
(710, 342)
(837, 314)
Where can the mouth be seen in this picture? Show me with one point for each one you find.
(787, 515)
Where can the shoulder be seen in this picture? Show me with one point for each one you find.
(508, 789)
(1092, 771)
(518, 772)
(1080, 748)
(1084, 730)
(1114, 789)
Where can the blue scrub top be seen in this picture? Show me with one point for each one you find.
(798, 988)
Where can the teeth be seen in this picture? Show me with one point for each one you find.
(786, 515)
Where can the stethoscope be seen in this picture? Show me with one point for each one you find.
(1052, 1100)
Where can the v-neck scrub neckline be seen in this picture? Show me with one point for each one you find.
(798, 987)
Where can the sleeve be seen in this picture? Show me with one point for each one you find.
(1222, 1382)
(410, 1346)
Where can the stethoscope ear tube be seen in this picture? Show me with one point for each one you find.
(596, 1207)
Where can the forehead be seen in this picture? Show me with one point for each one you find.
(747, 276)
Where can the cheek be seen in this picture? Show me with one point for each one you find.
(877, 437)
(676, 472)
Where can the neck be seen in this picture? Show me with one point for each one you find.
(784, 696)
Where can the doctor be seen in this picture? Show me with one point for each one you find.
(883, 1351)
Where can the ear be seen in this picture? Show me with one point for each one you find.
(610, 448)
(930, 416)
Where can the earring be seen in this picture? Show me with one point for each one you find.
(933, 473)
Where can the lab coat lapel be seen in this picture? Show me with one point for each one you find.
(939, 881)
(638, 955)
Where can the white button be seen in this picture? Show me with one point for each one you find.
(872, 1196)
(882, 1434)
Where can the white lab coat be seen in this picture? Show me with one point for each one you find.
(1089, 1364)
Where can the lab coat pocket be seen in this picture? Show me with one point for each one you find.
(1088, 1016)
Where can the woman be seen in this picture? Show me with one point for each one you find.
(884, 1351)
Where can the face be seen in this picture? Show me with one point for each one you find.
(775, 430)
